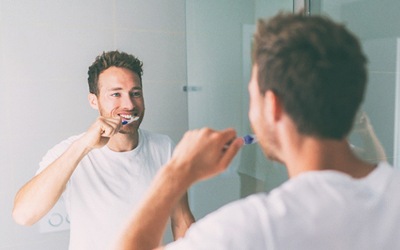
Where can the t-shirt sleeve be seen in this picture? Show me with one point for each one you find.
(54, 153)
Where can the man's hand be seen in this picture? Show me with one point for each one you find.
(206, 152)
(362, 123)
(100, 132)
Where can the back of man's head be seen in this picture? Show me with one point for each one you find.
(317, 69)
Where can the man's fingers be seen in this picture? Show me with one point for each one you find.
(230, 151)
(110, 126)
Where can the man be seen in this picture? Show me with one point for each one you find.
(102, 174)
(307, 83)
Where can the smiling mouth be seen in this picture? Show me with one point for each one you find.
(126, 119)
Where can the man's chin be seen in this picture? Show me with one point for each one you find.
(270, 155)
(127, 131)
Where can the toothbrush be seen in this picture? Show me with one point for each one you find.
(130, 120)
(249, 139)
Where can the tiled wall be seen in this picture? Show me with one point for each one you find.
(46, 47)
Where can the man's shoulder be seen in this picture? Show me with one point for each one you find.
(56, 151)
(327, 185)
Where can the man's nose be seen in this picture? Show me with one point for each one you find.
(128, 102)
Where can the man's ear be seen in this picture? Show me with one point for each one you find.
(93, 101)
(273, 106)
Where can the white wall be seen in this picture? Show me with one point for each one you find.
(46, 47)
(269, 8)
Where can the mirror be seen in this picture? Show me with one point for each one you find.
(46, 48)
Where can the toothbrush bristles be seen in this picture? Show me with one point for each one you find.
(132, 119)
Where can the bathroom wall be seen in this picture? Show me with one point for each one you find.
(46, 47)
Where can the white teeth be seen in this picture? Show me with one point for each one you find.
(126, 116)
(129, 119)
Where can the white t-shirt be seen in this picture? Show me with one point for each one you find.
(315, 210)
(106, 186)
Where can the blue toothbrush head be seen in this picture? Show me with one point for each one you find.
(249, 139)
(131, 119)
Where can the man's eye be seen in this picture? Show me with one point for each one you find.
(136, 94)
(116, 94)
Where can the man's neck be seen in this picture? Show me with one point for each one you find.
(123, 142)
(313, 154)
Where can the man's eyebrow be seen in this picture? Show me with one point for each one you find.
(114, 89)
(119, 88)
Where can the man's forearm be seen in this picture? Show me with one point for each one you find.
(40, 194)
(181, 218)
(201, 154)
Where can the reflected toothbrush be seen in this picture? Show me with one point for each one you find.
(130, 119)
